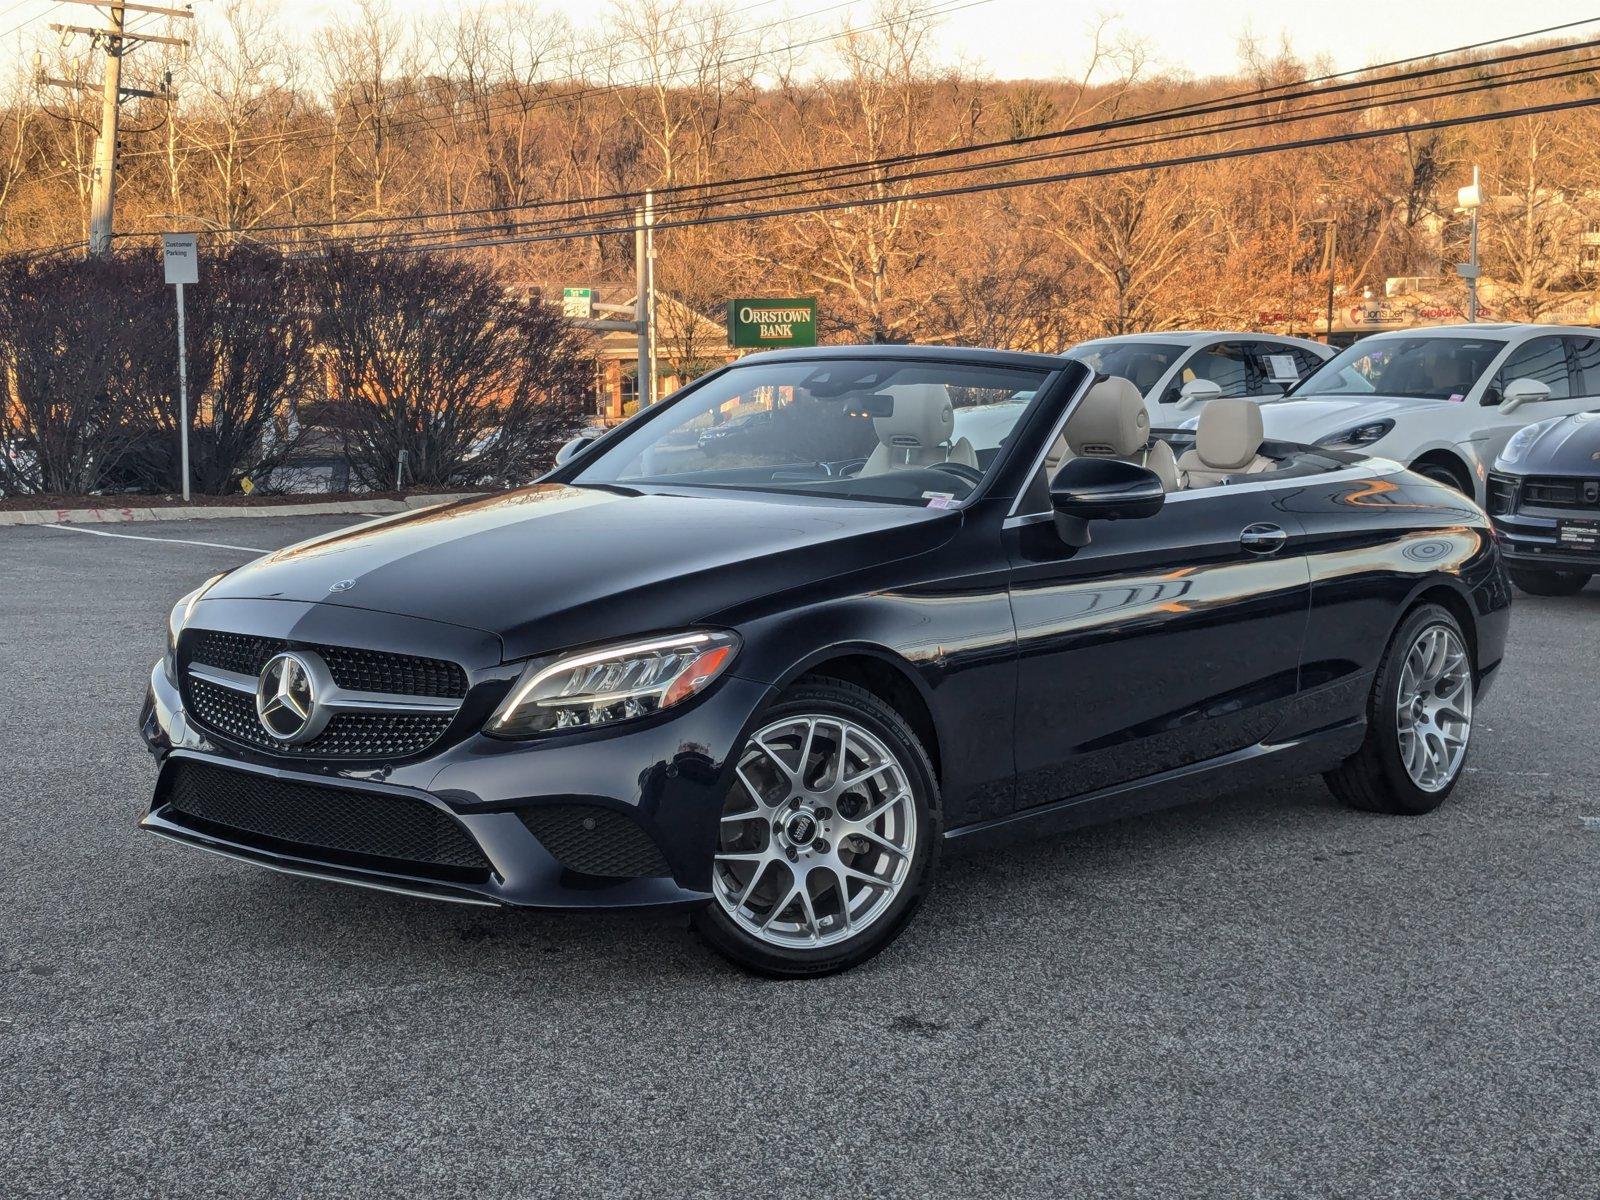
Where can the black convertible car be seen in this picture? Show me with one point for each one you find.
(932, 597)
(1544, 496)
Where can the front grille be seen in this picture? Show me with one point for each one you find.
(1556, 491)
(231, 714)
(1502, 495)
(594, 841)
(348, 735)
(358, 670)
(340, 825)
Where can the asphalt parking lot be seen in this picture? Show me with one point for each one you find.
(1265, 996)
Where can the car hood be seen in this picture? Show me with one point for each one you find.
(1563, 446)
(1293, 420)
(551, 566)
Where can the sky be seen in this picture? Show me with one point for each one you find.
(1012, 39)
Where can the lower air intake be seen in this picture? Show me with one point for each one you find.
(340, 825)
(594, 841)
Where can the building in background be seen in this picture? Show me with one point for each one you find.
(688, 344)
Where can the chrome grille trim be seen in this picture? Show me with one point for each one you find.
(339, 699)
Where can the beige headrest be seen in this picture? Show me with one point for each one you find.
(922, 419)
(1111, 421)
(1228, 436)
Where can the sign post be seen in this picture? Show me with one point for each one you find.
(181, 257)
(772, 324)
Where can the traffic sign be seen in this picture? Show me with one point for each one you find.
(577, 303)
(180, 253)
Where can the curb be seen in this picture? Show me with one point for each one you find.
(116, 516)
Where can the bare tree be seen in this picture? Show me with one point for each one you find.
(431, 358)
(74, 336)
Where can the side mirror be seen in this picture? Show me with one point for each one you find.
(564, 455)
(1198, 391)
(1523, 391)
(1102, 489)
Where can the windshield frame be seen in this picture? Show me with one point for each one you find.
(1504, 345)
(1054, 372)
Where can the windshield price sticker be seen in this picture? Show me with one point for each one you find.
(1283, 368)
(940, 499)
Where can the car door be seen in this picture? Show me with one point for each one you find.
(1229, 365)
(1162, 643)
(1555, 360)
(1280, 365)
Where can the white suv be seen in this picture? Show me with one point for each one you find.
(1175, 372)
(1442, 401)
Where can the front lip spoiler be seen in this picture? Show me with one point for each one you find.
(310, 870)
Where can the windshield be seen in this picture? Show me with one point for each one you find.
(1422, 368)
(870, 429)
(1142, 362)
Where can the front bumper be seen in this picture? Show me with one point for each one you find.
(1531, 541)
(669, 776)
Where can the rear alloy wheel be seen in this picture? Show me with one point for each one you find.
(828, 836)
(1419, 720)
(1537, 582)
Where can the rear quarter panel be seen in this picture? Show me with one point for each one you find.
(1377, 546)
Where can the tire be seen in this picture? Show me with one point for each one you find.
(1377, 777)
(1538, 582)
(786, 823)
(1447, 475)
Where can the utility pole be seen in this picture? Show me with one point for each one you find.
(650, 278)
(115, 41)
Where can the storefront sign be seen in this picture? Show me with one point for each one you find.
(772, 324)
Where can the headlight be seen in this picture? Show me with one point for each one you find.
(613, 683)
(1360, 435)
(1521, 442)
(178, 618)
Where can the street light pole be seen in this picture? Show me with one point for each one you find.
(1470, 198)
(1333, 258)
(1330, 253)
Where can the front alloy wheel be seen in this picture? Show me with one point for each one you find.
(826, 839)
(1419, 719)
(1433, 715)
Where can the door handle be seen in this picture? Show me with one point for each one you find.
(1263, 539)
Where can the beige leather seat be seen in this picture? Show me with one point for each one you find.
(1227, 442)
(918, 432)
(1112, 422)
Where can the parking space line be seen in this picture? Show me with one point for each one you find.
(134, 537)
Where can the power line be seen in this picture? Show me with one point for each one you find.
(29, 20)
(313, 138)
(1327, 107)
(1232, 102)
(1029, 181)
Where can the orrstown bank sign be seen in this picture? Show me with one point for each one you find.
(771, 324)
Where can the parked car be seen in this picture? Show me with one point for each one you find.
(1443, 401)
(1544, 496)
(1175, 372)
(771, 694)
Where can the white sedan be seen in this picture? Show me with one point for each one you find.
(1442, 401)
(1176, 372)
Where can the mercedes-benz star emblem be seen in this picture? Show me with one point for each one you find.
(286, 698)
(344, 585)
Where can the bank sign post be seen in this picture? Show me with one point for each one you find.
(772, 324)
